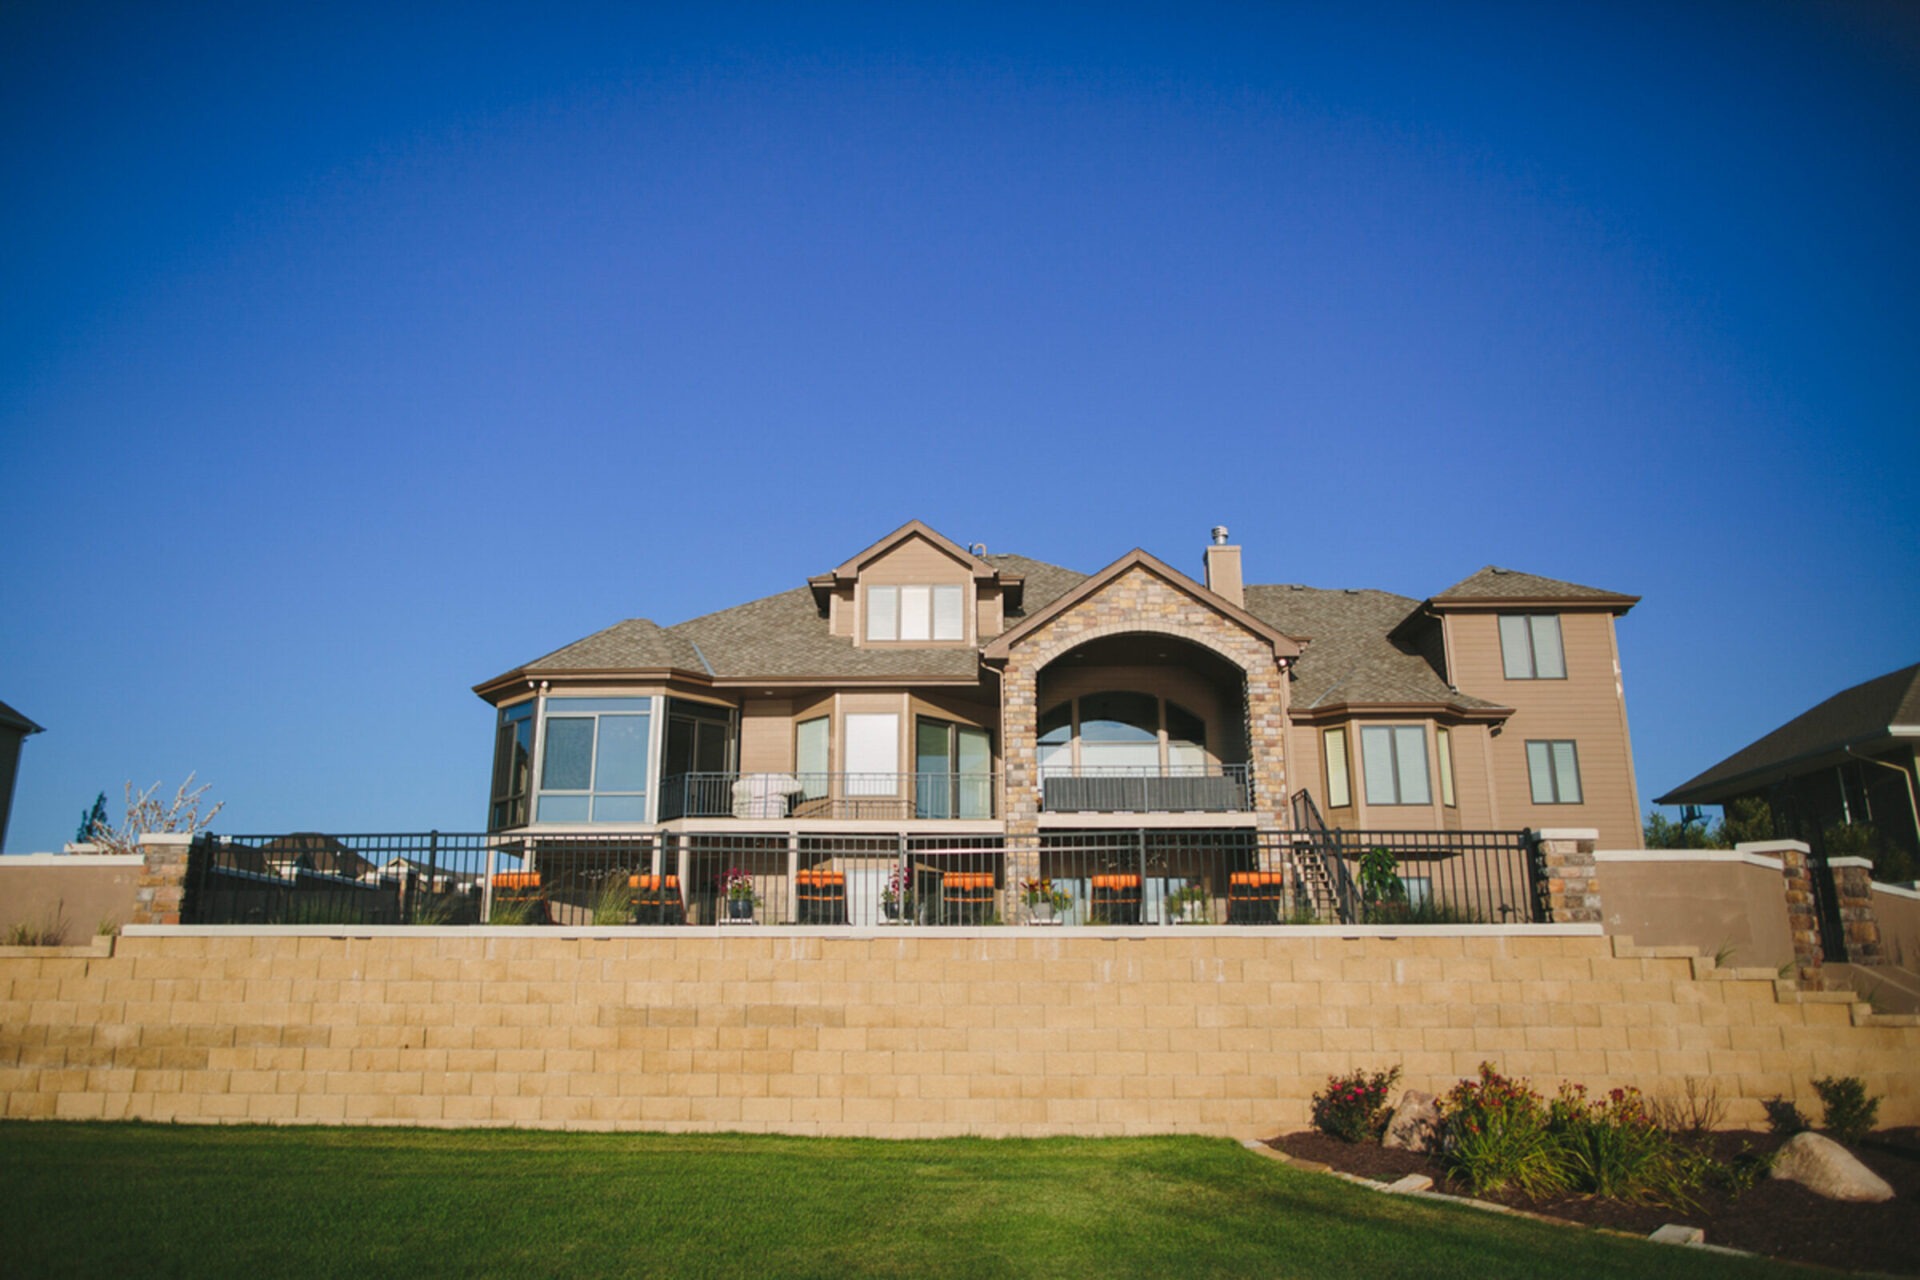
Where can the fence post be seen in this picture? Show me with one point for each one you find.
(486, 885)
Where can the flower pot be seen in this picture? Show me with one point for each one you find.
(891, 910)
(1040, 913)
(739, 908)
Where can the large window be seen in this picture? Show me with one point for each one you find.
(512, 767)
(1554, 770)
(1122, 732)
(1395, 760)
(811, 744)
(916, 613)
(873, 754)
(593, 765)
(953, 770)
(1530, 646)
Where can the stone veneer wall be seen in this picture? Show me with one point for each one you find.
(1138, 601)
(1198, 1030)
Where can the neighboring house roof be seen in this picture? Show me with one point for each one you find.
(1349, 658)
(1875, 711)
(1494, 585)
(317, 852)
(11, 719)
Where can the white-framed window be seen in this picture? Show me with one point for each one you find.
(1443, 759)
(1554, 770)
(593, 760)
(935, 612)
(1339, 783)
(1530, 646)
(1394, 759)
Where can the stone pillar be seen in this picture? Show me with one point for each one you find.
(161, 890)
(1803, 920)
(1566, 864)
(1853, 885)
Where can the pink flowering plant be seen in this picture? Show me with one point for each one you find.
(737, 885)
(1615, 1147)
(1354, 1107)
(1496, 1134)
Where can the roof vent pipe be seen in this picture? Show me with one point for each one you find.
(1219, 535)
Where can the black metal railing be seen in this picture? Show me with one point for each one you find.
(835, 796)
(1053, 878)
(1198, 788)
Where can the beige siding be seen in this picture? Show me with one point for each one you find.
(766, 736)
(1586, 707)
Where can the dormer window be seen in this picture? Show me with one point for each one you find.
(1530, 647)
(924, 613)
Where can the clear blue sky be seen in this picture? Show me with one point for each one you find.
(349, 357)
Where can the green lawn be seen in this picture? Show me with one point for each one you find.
(122, 1199)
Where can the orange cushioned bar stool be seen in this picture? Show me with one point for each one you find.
(518, 898)
(1116, 899)
(820, 897)
(1255, 897)
(968, 896)
(656, 899)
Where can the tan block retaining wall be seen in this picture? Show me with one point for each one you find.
(1197, 1030)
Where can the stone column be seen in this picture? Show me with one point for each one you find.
(1019, 755)
(1803, 920)
(1853, 885)
(161, 890)
(1566, 863)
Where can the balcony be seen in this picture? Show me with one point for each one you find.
(1200, 788)
(837, 796)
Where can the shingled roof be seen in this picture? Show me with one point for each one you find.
(1349, 657)
(1359, 652)
(1494, 585)
(1855, 717)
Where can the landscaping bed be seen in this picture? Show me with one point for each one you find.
(1778, 1219)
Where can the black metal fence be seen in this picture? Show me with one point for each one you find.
(1138, 877)
(840, 797)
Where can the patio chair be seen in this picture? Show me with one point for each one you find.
(518, 895)
(820, 897)
(1115, 899)
(1255, 897)
(967, 897)
(656, 899)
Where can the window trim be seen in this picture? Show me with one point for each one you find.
(1330, 752)
(897, 593)
(645, 707)
(1532, 650)
(1399, 791)
(1553, 772)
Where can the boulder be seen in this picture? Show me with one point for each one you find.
(1415, 1125)
(1828, 1169)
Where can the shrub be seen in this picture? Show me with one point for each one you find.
(1353, 1109)
(1784, 1117)
(1850, 1112)
(1694, 1114)
(1615, 1149)
(1746, 820)
(1495, 1135)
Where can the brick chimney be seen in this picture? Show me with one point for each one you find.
(1223, 568)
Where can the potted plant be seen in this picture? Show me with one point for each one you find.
(896, 900)
(1044, 902)
(1189, 903)
(737, 887)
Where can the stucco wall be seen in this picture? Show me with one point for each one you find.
(1898, 913)
(1719, 902)
(85, 891)
(898, 1035)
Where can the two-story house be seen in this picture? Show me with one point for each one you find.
(932, 697)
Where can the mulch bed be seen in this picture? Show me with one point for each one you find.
(1779, 1219)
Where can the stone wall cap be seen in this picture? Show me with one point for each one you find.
(1768, 846)
(1899, 890)
(1688, 855)
(20, 861)
(166, 839)
(1090, 933)
(1568, 833)
(1865, 863)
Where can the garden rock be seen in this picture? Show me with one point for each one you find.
(1828, 1169)
(1415, 1125)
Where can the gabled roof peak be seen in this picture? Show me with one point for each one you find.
(1495, 585)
